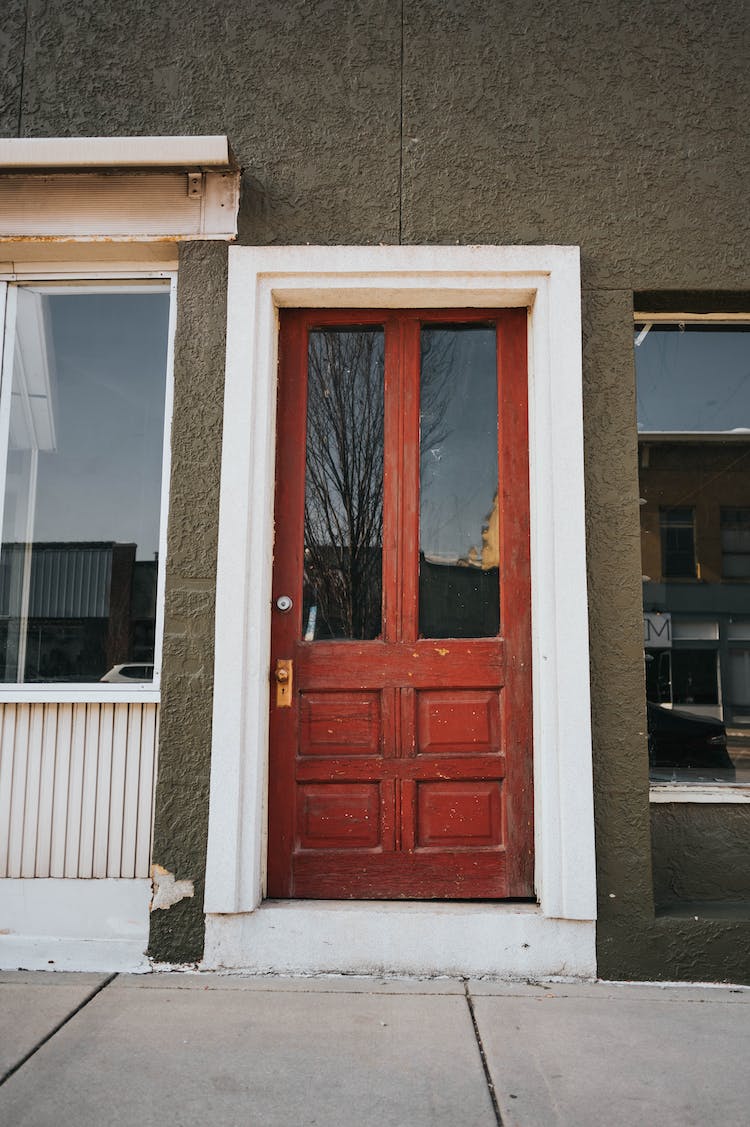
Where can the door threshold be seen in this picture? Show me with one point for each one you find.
(396, 905)
(499, 938)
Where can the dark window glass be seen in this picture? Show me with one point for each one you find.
(458, 507)
(694, 462)
(677, 543)
(735, 542)
(694, 677)
(82, 501)
(342, 595)
(739, 676)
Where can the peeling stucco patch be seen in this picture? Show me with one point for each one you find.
(166, 890)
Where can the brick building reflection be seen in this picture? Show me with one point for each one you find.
(71, 611)
(695, 543)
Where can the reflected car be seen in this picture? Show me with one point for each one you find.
(679, 741)
(130, 671)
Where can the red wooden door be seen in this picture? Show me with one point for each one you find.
(400, 760)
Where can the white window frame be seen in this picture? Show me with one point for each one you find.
(79, 279)
(546, 280)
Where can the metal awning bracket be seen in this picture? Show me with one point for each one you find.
(195, 185)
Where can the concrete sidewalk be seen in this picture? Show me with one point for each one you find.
(93, 1051)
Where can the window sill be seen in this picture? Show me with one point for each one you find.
(704, 910)
(96, 693)
(695, 792)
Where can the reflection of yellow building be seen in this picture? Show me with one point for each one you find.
(490, 554)
(491, 538)
(703, 475)
(695, 541)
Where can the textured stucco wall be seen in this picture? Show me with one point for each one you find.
(700, 853)
(181, 821)
(12, 35)
(618, 127)
(616, 631)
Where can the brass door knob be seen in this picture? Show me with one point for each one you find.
(283, 677)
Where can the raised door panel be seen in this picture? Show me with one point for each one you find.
(463, 814)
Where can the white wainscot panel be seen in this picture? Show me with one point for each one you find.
(87, 925)
(76, 789)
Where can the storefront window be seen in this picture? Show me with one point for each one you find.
(694, 462)
(81, 448)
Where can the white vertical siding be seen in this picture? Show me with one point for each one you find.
(18, 788)
(76, 789)
(149, 723)
(31, 797)
(63, 742)
(7, 721)
(74, 808)
(50, 721)
(117, 790)
(103, 785)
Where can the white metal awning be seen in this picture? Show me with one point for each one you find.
(27, 153)
(118, 188)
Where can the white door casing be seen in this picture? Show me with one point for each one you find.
(546, 280)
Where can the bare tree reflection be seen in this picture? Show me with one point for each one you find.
(344, 475)
(344, 483)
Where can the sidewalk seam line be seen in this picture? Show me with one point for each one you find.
(56, 1028)
(276, 990)
(483, 1056)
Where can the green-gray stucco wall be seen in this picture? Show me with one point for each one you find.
(617, 127)
(181, 823)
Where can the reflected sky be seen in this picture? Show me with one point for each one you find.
(693, 379)
(108, 367)
(459, 468)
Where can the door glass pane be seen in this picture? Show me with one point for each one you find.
(81, 514)
(343, 584)
(459, 546)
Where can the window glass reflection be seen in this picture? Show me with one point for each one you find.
(81, 516)
(694, 468)
(459, 555)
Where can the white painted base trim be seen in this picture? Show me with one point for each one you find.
(91, 925)
(366, 937)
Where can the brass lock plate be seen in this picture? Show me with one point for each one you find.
(284, 676)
